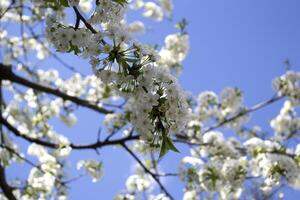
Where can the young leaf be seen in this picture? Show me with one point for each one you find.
(64, 3)
(121, 2)
(163, 149)
(75, 49)
(171, 145)
(166, 145)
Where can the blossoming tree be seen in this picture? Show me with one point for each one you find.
(146, 112)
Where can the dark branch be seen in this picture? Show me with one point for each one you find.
(100, 144)
(7, 74)
(79, 16)
(87, 25)
(6, 188)
(8, 8)
(183, 138)
(29, 139)
(95, 145)
(252, 109)
(154, 176)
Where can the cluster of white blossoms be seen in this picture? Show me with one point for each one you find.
(194, 128)
(17, 46)
(95, 46)
(35, 124)
(67, 39)
(273, 162)
(136, 27)
(229, 104)
(13, 15)
(42, 179)
(175, 50)
(274, 167)
(92, 167)
(128, 70)
(224, 176)
(222, 166)
(222, 172)
(156, 10)
(108, 11)
(89, 87)
(288, 85)
(216, 146)
(286, 124)
(115, 121)
(159, 105)
(227, 167)
(156, 104)
(8, 151)
(138, 182)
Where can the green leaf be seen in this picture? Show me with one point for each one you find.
(181, 25)
(124, 64)
(171, 146)
(121, 2)
(163, 149)
(64, 3)
(131, 60)
(56, 4)
(167, 145)
(75, 49)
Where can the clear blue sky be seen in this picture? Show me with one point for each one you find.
(233, 43)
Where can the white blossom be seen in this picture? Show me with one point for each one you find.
(153, 11)
(92, 168)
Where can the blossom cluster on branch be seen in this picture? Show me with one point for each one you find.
(145, 110)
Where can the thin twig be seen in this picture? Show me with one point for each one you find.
(56, 57)
(245, 112)
(252, 109)
(154, 176)
(8, 8)
(79, 16)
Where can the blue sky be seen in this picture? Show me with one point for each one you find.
(233, 43)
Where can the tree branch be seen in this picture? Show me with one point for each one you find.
(7, 74)
(29, 139)
(252, 109)
(100, 144)
(87, 25)
(8, 8)
(154, 176)
(80, 17)
(96, 145)
(6, 188)
(249, 110)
